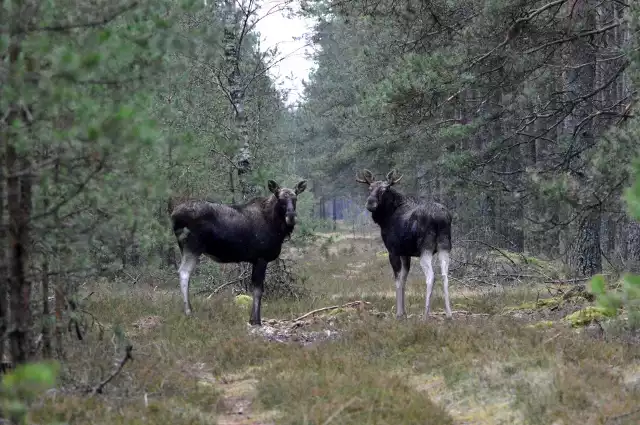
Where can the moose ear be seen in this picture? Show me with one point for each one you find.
(301, 186)
(273, 187)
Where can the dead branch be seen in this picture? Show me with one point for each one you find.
(494, 248)
(461, 313)
(127, 356)
(574, 37)
(333, 307)
(224, 285)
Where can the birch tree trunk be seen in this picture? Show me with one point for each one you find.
(236, 23)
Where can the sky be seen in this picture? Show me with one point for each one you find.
(276, 29)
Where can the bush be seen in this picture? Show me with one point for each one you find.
(22, 386)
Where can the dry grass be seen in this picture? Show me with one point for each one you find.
(209, 369)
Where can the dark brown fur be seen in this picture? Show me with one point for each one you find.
(252, 232)
(408, 229)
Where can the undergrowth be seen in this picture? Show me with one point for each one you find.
(487, 367)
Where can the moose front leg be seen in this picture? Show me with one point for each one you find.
(400, 266)
(257, 283)
(187, 265)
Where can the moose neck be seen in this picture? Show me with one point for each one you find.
(391, 201)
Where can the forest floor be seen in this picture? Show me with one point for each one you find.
(509, 356)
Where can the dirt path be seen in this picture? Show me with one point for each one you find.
(237, 403)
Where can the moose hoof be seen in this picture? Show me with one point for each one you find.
(255, 322)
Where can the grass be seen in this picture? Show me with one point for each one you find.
(487, 368)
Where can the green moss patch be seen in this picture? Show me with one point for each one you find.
(587, 315)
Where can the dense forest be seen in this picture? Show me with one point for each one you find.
(520, 116)
(514, 114)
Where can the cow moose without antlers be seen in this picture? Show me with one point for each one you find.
(410, 229)
(252, 232)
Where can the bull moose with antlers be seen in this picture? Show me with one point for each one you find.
(410, 229)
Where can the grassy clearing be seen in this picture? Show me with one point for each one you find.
(497, 366)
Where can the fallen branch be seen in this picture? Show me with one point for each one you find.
(558, 281)
(333, 307)
(459, 312)
(224, 285)
(501, 252)
(127, 356)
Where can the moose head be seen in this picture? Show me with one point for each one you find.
(377, 188)
(286, 199)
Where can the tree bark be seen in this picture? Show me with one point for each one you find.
(586, 258)
(4, 244)
(46, 319)
(19, 199)
(235, 27)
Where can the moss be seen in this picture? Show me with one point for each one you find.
(243, 300)
(543, 324)
(586, 315)
(533, 305)
(336, 311)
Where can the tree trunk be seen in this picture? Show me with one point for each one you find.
(19, 200)
(234, 32)
(586, 258)
(58, 284)
(4, 244)
(46, 319)
(631, 252)
(334, 208)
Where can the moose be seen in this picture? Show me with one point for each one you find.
(252, 232)
(410, 229)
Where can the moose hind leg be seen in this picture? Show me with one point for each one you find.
(187, 265)
(257, 281)
(444, 269)
(425, 262)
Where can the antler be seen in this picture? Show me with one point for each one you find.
(392, 179)
(367, 177)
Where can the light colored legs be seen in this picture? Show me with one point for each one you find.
(425, 262)
(427, 268)
(444, 269)
(401, 281)
(187, 265)
(400, 266)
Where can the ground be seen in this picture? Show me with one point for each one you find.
(509, 356)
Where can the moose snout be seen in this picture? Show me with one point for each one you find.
(372, 204)
(290, 218)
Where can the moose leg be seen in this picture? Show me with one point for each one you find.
(425, 262)
(187, 265)
(257, 282)
(400, 266)
(444, 269)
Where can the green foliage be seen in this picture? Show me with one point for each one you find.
(22, 386)
(626, 297)
(469, 99)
